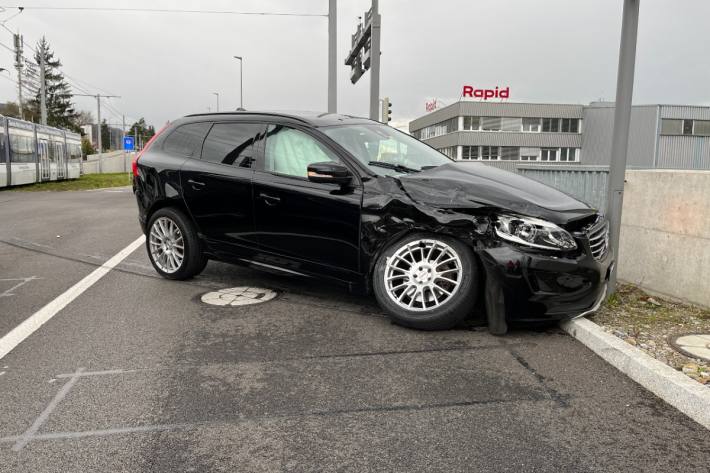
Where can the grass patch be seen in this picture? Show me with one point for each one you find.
(88, 181)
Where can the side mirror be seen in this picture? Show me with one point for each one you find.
(329, 173)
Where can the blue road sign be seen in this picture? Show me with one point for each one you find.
(128, 143)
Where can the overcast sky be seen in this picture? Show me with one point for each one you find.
(168, 65)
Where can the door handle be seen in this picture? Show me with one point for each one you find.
(269, 200)
(196, 184)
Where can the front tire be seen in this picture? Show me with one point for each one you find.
(173, 246)
(427, 282)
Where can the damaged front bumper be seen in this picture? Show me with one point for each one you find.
(538, 287)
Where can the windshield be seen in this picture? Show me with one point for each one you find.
(385, 150)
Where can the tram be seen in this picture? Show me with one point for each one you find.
(32, 153)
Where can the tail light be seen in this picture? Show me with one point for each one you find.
(137, 156)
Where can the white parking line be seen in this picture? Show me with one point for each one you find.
(22, 282)
(25, 438)
(36, 320)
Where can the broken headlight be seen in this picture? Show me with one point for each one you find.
(533, 232)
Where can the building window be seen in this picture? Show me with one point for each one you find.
(491, 123)
(671, 127)
(490, 152)
(529, 154)
(450, 151)
(471, 152)
(548, 154)
(510, 153)
(702, 128)
(687, 127)
(511, 124)
(551, 125)
(471, 123)
(568, 154)
(569, 125)
(531, 124)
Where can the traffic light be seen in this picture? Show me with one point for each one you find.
(386, 110)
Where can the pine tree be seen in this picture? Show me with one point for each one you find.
(60, 110)
(105, 136)
(144, 131)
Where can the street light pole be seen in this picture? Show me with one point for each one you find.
(375, 62)
(622, 119)
(217, 94)
(332, 57)
(241, 81)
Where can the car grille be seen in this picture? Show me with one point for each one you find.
(598, 236)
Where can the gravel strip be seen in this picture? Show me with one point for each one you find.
(650, 322)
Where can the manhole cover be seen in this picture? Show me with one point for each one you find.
(236, 296)
(696, 345)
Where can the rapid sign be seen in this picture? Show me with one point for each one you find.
(485, 94)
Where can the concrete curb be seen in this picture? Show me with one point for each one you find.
(678, 390)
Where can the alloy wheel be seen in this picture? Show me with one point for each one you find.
(167, 246)
(423, 275)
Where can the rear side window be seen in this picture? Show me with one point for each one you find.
(187, 139)
(232, 143)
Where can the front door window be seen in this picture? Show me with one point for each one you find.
(290, 151)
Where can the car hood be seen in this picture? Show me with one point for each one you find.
(477, 185)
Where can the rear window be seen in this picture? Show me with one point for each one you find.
(232, 143)
(186, 140)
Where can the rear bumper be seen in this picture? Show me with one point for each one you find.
(539, 287)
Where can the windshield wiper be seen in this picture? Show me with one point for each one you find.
(395, 167)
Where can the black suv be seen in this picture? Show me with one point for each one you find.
(359, 203)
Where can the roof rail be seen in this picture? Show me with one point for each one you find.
(245, 112)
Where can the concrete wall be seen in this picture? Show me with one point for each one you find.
(665, 233)
(114, 161)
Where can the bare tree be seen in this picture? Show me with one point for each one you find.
(84, 117)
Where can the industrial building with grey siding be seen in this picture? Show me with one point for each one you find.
(661, 136)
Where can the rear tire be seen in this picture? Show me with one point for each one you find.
(427, 282)
(173, 246)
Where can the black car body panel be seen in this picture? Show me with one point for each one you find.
(475, 186)
(245, 214)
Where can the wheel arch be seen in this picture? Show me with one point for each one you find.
(177, 204)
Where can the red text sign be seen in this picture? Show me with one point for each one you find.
(485, 94)
(431, 106)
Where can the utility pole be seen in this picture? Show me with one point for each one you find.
(18, 66)
(98, 121)
(375, 59)
(217, 94)
(622, 119)
(42, 87)
(98, 138)
(332, 57)
(123, 136)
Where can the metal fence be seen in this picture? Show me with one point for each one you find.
(586, 183)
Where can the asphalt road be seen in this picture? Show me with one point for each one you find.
(137, 374)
